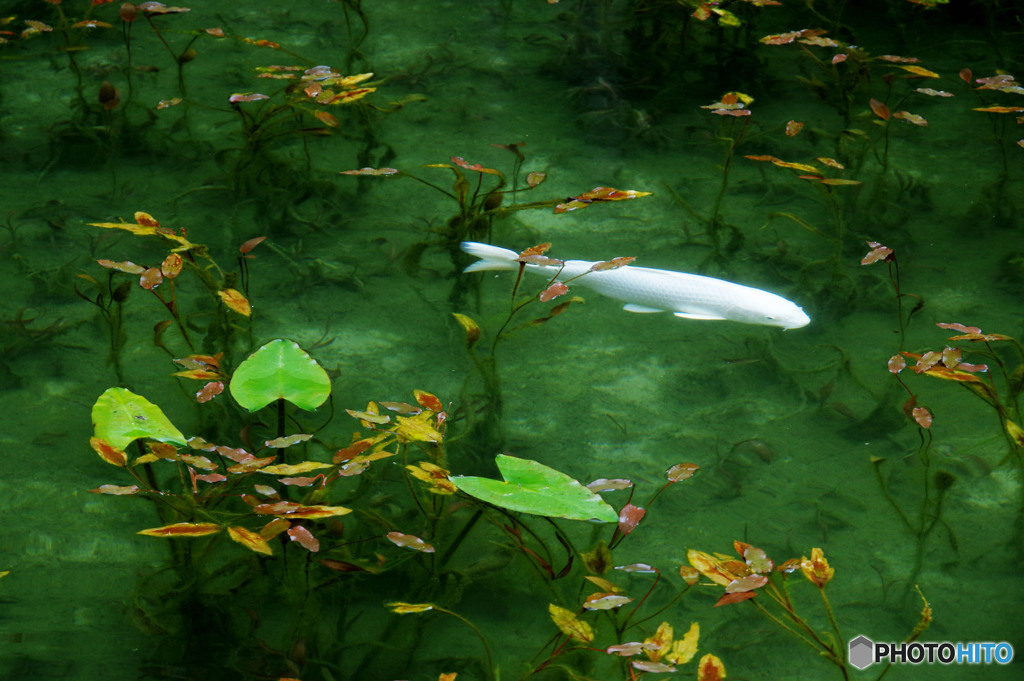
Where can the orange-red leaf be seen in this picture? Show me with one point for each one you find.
(327, 119)
(151, 278)
(629, 517)
(209, 391)
(235, 301)
(250, 244)
(880, 109)
(462, 163)
(553, 291)
(304, 538)
(108, 452)
(613, 264)
(710, 668)
(736, 597)
(428, 401)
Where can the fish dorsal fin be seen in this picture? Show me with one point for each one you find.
(633, 307)
(694, 315)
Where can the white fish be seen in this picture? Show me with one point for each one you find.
(644, 289)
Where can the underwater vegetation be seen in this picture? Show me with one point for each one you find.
(268, 276)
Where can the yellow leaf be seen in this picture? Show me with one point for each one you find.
(408, 608)
(470, 327)
(919, 71)
(349, 81)
(684, 649)
(416, 428)
(370, 416)
(433, 475)
(199, 374)
(710, 668)
(803, 167)
(1015, 431)
(603, 583)
(139, 230)
(726, 18)
(1000, 109)
(817, 569)
(250, 540)
(182, 530)
(660, 642)
(711, 567)
(838, 181)
(570, 625)
(274, 528)
(294, 468)
(236, 301)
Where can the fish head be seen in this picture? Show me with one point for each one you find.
(768, 309)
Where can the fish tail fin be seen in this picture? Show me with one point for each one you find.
(491, 257)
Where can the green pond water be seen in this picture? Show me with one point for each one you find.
(800, 435)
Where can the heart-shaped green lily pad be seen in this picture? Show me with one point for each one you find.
(120, 416)
(280, 369)
(531, 487)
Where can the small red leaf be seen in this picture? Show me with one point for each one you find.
(209, 391)
(897, 364)
(304, 537)
(922, 416)
(877, 252)
(551, 292)
(252, 243)
(736, 597)
(629, 517)
(151, 278)
(428, 401)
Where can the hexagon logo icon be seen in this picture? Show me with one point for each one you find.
(861, 652)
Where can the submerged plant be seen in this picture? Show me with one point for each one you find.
(483, 195)
(755, 574)
(161, 280)
(487, 416)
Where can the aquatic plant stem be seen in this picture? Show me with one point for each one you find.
(483, 640)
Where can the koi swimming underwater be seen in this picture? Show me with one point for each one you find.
(644, 289)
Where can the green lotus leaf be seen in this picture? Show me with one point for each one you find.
(120, 416)
(531, 487)
(280, 370)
